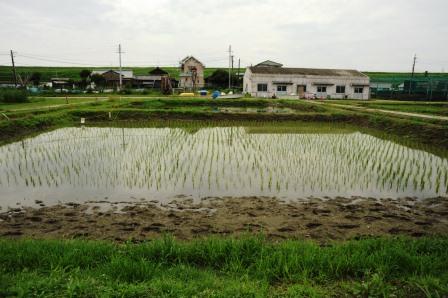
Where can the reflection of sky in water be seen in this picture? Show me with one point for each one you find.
(81, 164)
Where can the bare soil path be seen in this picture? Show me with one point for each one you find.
(318, 219)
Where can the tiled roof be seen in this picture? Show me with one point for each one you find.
(307, 71)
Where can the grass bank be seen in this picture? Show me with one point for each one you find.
(225, 267)
(428, 108)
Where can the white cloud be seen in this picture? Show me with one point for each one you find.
(362, 34)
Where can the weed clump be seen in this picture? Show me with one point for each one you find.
(10, 95)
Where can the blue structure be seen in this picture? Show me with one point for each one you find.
(216, 94)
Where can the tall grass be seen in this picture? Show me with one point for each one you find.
(213, 266)
(10, 95)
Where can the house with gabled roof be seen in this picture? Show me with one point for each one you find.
(271, 79)
(153, 79)
(269, 63)
(191, 73)
(112, 77)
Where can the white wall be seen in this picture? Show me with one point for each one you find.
(251, 81)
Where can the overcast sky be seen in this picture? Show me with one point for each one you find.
(370, 35)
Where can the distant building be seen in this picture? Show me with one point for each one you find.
(381, 86)
(269, 79)
(192, 73)
(146, 81)
(158, 72)
(112, 77)
(269, 63)
(61, 83)
(153, 80)
(7, 84)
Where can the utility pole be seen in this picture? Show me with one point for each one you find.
(230, 63)
(231, 75)
(413, 65)
(119, 58)
(413, 71)
(14, 69)
(238, 75)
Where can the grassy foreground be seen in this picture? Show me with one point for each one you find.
(225, 267)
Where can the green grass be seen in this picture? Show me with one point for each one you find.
(433, 109)
(230, 267)
(73, 72)
(42, 102)
(429, 108)
(173, 102)
(440, 109)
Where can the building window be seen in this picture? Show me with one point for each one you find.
(340, 89)
(321, 89)
(281, 88)
(262, 87)
(359, 90)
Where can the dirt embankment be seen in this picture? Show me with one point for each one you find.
(321, 220)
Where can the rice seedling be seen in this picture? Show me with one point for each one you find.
(92, 162)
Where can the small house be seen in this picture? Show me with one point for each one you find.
(112, 77)
(191, 73)
(61, 83)
(154, 79)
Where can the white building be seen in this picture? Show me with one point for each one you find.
(270, 78)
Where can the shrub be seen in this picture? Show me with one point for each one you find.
(125, 91)
(13, 95)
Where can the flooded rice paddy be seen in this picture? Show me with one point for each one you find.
(133, 164)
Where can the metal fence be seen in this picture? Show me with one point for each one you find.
(427, 88)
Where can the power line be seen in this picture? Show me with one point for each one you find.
(45, 58)
(54, 60)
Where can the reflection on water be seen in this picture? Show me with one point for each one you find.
(81, 164)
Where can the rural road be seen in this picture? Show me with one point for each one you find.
(399, 113)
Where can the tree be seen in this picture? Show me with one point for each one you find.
(99, 80)
(220, 79)
(35, 78)
(85, 75)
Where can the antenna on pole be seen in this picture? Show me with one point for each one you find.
(14, 69)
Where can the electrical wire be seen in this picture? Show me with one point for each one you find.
(54, 60)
